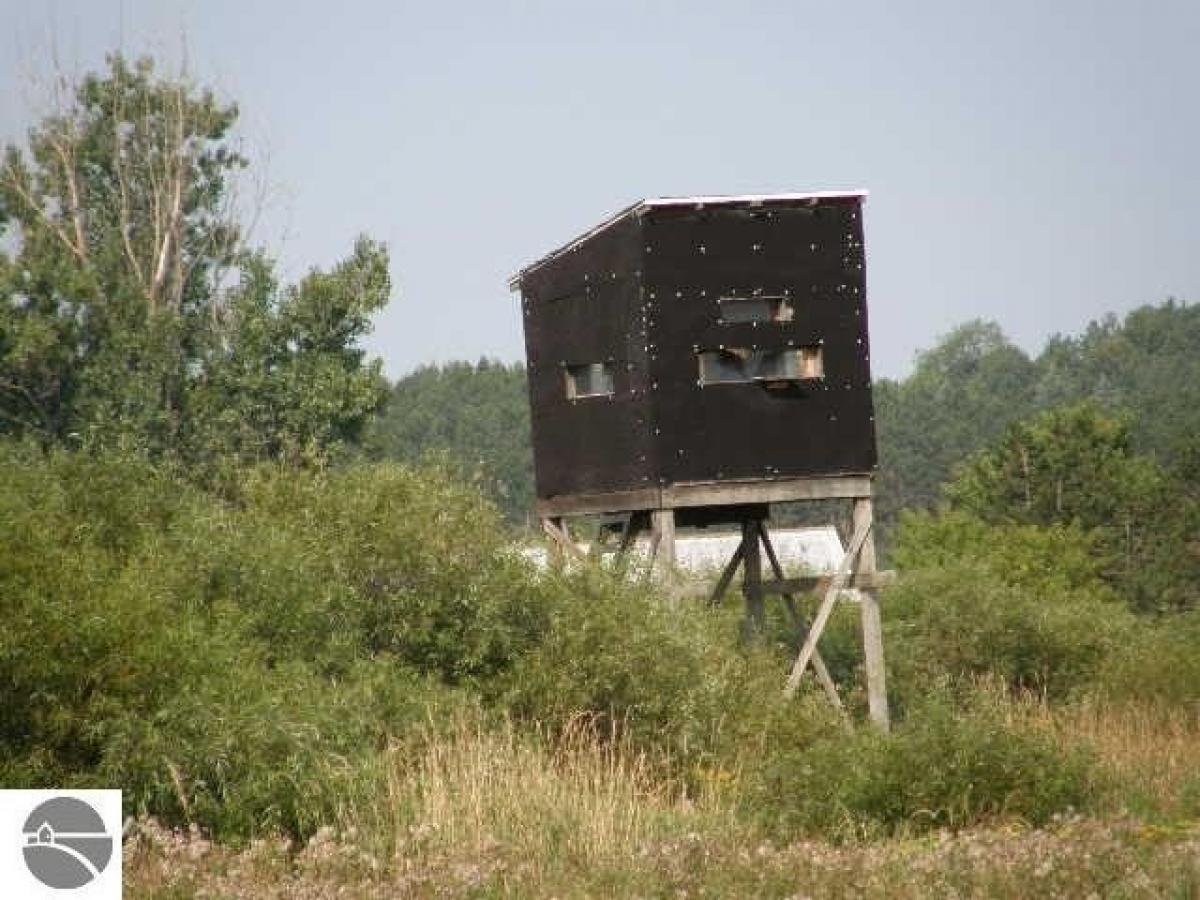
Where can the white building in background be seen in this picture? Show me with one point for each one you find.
(801, 551)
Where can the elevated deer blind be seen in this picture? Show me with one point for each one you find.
(703, 339)
(697, 359)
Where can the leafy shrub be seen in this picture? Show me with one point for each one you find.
(1157, 663)
(616, 651)
(376, 559)
(82, 642)
(1042, 558)
(238, 664)
(946, 766)
(283, 750)
(671, 678)
(962, 621)
(1023, 603)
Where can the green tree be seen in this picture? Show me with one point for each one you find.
(1072, 464)
(1076, 466)
(476, 415)
(962, 394)
(288, 379)
(121, 222)
(1149, 364)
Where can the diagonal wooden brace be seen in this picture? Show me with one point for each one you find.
(731, 568)
(558, 533)
(836, 586)
(822, 671)
(629, 533)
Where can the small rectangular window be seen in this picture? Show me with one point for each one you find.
(734, 310)
(733, 365)
(589, 380)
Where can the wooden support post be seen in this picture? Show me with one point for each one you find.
(872, 621)
(634, 525)
(600, 544)
(662, 560)
(777, 570)
(819, 666)
(663, 528)
(752, 578)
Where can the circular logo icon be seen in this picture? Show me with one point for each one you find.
(66, 845)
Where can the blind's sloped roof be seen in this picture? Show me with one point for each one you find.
(514, 282)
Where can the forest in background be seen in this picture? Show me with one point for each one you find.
(974, 388)
(280, 603)
(961, 395)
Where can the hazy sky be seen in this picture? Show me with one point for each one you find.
(1029, 162)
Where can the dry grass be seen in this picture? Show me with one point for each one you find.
(497, 812)
(1150, 752)
(1075, 858)
(1147, 752)
(581, 800)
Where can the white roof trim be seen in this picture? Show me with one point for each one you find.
(514, 282)
(715, 199)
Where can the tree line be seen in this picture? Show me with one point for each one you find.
(1099, 428)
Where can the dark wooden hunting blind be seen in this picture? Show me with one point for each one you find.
(693, 361)
(699, 341)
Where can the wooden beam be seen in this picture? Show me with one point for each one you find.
(557, 531)
(709, 493)
(752, 587)
(731, 568)
(663, 561)
(807, 584)
(826, 608)
(662, 523)
(633, 525)
(872, 620)
(777, 569)
(591, 504)
(776, 490)
(819, 667)
(652, 550)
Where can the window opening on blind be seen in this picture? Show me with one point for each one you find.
(734, 310)
(589, 380)
(734, 365)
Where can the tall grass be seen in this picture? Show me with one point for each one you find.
(574, 799)
(502, 810)
(1150, 753)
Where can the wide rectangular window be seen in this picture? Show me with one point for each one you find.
(588, 380)
(734, 310)
(733, 365)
